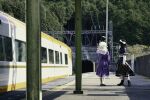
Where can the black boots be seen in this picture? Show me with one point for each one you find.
(129, 83)
(102, 85)
(121, 83)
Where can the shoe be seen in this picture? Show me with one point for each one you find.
(121, 83)
(129, 83)
(102, 85)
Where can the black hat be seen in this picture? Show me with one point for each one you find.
(103, 38)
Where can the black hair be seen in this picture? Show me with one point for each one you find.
(123, 45)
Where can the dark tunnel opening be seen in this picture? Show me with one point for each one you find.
(87, 66)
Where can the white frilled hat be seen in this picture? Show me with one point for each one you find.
(122, 41)
(102, 48)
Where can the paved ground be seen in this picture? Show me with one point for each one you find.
(63, 89)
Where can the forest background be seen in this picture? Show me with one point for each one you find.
(131, 18)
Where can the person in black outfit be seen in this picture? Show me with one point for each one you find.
(123, 68)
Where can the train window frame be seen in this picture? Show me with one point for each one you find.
(51, 56)
(9, 53)
(23, 54)
(43, 56)
(61, 59)
(7, 48)
(2, 56)
(57, 57)
(66, 58)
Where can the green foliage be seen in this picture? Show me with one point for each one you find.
(54, 13)
(15, 8)
(130, 18)
(138, 50)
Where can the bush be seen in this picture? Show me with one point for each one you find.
(138, 50)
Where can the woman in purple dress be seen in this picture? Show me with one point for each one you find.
(102, 61)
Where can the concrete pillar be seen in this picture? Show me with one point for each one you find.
(78, 41)
(33, 31)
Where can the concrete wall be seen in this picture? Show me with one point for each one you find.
(142, 65)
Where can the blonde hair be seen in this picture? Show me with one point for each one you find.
(102, 48)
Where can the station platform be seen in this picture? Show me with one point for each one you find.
(62, 89)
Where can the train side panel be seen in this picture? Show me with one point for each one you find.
(56, 57)
(4, 26)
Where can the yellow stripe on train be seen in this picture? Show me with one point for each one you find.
(23, 84)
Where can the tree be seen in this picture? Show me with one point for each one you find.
(130, 17)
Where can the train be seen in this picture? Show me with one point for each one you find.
(56, 56)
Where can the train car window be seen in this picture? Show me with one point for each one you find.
(8, 48)
(20, 48)
(51, 56)
(66, 59)
(57, 57)
(61, 58)
(43, 55)
(1, 50)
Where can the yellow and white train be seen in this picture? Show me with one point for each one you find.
(56, 57)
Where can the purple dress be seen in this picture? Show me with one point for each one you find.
(103, 64)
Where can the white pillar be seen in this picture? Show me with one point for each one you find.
(94, 67)
(132, 62)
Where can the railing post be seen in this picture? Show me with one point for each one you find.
(78, 41)
(132, 62)
(33, 50)
(94, 67)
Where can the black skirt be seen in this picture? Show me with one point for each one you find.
(123, 69)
